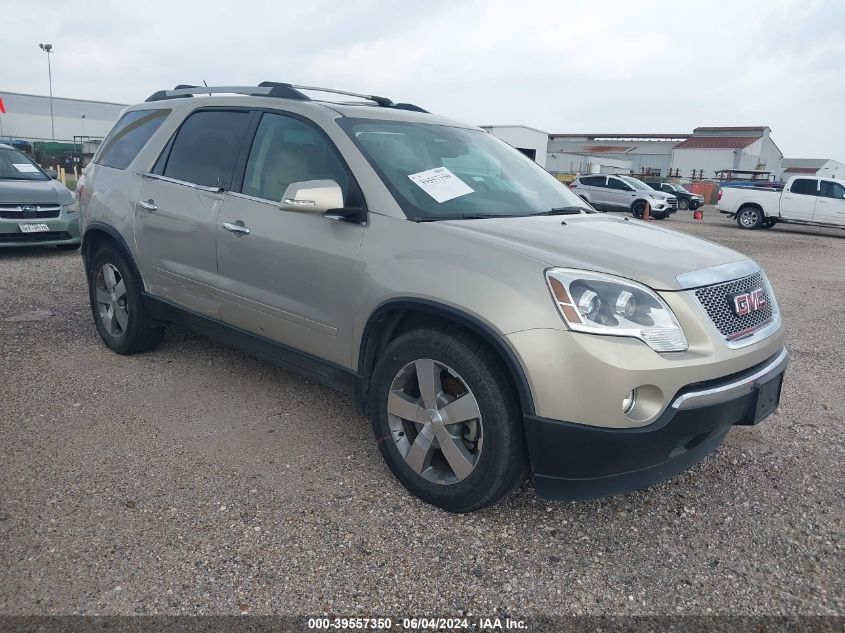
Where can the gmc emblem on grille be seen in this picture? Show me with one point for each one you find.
(743, 303)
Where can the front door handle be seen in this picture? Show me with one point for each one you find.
(148, 205)
(236, 227)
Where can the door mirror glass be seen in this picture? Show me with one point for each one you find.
(52, 173)
(312, 196)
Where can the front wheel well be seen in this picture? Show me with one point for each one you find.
(97, 237)
(393, 320)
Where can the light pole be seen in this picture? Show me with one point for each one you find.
(48, 48)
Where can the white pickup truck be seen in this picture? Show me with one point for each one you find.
(804, 200)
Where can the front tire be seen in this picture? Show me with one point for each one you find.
(638, 209)
(749, 218)
(446, 419)
(683, 204)
(114, 291)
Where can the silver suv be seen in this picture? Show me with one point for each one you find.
(487, 322)
(623, 193)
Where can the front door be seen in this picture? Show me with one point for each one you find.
(176, 214)
(830, 207)
(798, 202)
(292, 277)
(620, 195)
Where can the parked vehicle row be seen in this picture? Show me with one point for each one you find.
(686, 198)
(623, 193)
(803, 200)
(34, 208)
(483, 316)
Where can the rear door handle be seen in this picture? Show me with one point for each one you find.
(236, 227)
(148, 205)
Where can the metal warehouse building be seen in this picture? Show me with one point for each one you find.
(27, 118)
(714, 149)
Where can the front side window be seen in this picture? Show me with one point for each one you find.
(618, 185)
(805, 187)
(15, 165)
(636, 184)
(438, 172)
(287, 150)
(128, 136)
(206, 147)
(833, 190)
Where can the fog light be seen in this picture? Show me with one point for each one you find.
(629, 401)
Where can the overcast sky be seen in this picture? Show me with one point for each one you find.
(599, 66)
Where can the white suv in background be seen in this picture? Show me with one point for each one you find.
(623, 193)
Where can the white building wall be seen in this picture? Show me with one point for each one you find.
(832, 169)
(524, 138)
(28, 117)
(561, 163)
(710, 160)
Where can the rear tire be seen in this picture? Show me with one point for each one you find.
(417, 431)
(114, 291)
(749, 218)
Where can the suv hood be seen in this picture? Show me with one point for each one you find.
(633, 249)
(34, 192)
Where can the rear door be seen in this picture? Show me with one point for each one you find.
(177, 210)
(798, 201)
(595, 189)
(292, 277)
(830, 207)
(620, 195)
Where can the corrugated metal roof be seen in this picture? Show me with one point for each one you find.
(717, 142)
(800, 170)
(621, 136)
(741, 128)
(818, 163)
(615, 149)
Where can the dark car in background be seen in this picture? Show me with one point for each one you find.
(35, 209)
(686, 198)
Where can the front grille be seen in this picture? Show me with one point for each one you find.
(673, 202)
(44, 236)
(717, 303)
(29, 211)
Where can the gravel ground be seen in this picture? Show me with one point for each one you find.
(197, 480)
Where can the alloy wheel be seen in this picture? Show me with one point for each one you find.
(110, 291)
(748, 218)
(435, 421)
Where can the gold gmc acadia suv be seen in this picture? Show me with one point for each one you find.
(487, 319)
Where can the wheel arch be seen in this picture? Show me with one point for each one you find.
(98, 233)
(386, 322)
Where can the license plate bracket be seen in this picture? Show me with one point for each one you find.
(767, 398)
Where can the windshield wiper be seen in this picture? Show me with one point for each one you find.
(570, 210)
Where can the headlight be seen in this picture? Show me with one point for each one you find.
(603, 304)
(654, 197)
(73, 207)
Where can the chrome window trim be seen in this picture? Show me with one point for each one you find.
(146, 174)
(717, 274)
(733, 389)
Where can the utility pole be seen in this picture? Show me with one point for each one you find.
(48, 48)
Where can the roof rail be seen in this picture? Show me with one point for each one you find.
(275, 89)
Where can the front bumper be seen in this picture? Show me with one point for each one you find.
(62, 230)
(576, 461)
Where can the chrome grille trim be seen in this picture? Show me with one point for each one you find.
(739, 331)
(42, 211)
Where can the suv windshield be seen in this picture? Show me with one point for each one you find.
(15, 165)
(636, 184)
(437, 172)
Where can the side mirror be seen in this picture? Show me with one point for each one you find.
(312, 196)
(52, 173)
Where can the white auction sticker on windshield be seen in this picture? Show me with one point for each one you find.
(441, 184)
(25, 168)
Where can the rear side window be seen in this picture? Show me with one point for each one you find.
(128, 136)
(805, 186)
(206, 147)
(832, 190)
